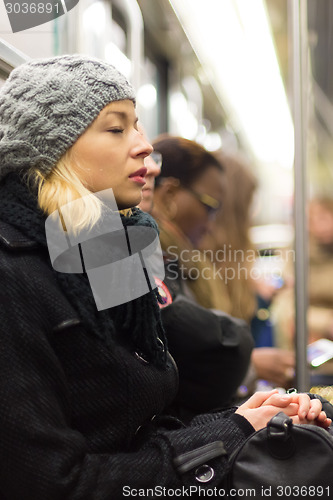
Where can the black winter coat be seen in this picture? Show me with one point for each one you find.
(78, 420)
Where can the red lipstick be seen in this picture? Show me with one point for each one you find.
(139, 176)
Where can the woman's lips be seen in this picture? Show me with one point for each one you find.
(139, 176)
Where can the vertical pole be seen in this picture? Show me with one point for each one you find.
(300, 81)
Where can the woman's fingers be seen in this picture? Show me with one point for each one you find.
(322, 420)
(262, 406)
(278, 400)
(315, 409)
(325, 423)
(309, 409)
(291, 409)
(258, 399)
(322, 417)
(303, 401)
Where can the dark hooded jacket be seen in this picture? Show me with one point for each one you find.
(81, 418)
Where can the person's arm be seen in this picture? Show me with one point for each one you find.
(44, 457)
(274, 364)
(320, 321)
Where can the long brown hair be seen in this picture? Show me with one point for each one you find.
(230, 236)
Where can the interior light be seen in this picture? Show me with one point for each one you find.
(184, 121)
(236, 48)
(275, 235)
(115, 56)
(212, 141)
(147, 96)
(94, 18)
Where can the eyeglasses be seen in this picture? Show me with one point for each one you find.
(157, 158)
(212, 205)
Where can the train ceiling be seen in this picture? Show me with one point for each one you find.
(165, 33)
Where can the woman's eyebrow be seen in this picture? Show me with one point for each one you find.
(122, 115)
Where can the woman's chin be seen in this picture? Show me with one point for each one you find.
(128, 203)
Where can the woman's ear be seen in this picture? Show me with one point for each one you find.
(164, 197)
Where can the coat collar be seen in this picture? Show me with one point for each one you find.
(13, 239)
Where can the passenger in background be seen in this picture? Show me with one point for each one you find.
(205, 345)
(188, 196)
(320, 268)
(229, 239)
(153, 163)
(250, 294)
(320, 278)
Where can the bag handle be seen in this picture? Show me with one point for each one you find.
(279, 436)
(279, 427)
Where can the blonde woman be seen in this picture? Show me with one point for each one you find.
(83, 387)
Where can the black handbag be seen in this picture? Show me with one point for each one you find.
(283, 461)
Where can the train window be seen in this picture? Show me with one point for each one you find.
(95, 18)
(9, 58)
(154, 78)
(186, 109)
(119, 29)
(103, 36)
(3, 74)
(147, 98)
(5, 69)
(116, 49)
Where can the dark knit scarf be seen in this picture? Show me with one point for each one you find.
(137, 322)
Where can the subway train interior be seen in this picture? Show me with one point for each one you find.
(251, 78)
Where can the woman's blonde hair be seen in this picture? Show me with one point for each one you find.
(61, 187)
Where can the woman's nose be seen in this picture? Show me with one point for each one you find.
(143, 147)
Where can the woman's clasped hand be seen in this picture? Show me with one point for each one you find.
(262, 406)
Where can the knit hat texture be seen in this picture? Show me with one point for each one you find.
(46, 104)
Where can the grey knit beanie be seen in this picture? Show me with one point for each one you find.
(46, 104)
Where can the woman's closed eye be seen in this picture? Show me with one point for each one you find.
(116, 130)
